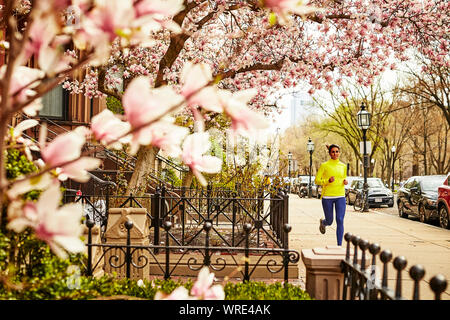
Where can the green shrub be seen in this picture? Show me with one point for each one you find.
(59, 287)
(254, 290)
(114, 104)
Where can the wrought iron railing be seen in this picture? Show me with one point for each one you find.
(189, 209)
(361, 281)
(128, 257)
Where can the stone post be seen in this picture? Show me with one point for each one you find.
(116, 233)
(324, 278)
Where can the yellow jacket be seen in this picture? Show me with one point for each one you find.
(328, 169)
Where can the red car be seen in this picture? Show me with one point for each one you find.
(443, 203)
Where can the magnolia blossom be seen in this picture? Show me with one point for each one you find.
(194, 146)
(78, 170)
(23, 186)
(179, 293)
(283, 8)
(23, 80)
(162, 134)
(243, 120)
(60, 227)
(64, 148)
(64, 154)
(201, 290)
(23, 126)
(108, 128)
(195, 79)
(153, 14)
(143, 106)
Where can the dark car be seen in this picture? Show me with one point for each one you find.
(378, 194)
(443, 203)
(418, 197)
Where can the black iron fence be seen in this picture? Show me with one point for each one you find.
(361, 281)
(130, 257)
(189, 209)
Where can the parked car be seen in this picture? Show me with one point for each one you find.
(378, 194)
(303, 185)
(316, 190)
(443, 203)
(418, 197)
(350, 179)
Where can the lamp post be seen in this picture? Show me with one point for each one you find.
(393, 165)
(310, 148)
(289, 170)
(364, 121)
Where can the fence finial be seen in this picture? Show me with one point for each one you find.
(417, 272)
(438, 284)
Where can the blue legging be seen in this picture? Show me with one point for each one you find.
(339, 204)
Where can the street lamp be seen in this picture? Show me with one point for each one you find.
(364, 121)
(289, 170)
(393, 164)
(310, 148)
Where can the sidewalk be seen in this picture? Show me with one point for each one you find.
(419, 243)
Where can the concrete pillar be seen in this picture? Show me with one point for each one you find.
(324, 279)
(116, 233)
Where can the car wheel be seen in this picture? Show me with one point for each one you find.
(444, 218)
(401, 212)
(422, 215)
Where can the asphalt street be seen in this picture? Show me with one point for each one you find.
(420, 243)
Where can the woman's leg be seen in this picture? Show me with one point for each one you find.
(327, 205)
(340, 213)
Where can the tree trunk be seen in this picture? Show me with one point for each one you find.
(187, 179)
(145, 164)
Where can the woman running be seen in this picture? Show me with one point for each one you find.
(332, 177)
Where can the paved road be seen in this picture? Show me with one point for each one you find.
(419, 243)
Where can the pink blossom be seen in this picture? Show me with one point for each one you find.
(42, 33)
(64, 154)
(158, 7)
(283, 8)
(23, 126)
(110, 18)
(78, 170)
(195, 79)
(162, 134)
(143, 106)
(59, 227)
(64, 148)
(243, 120)
(23, 80)
(107, 128)
(203, 288)
(23, 186)
(179, 293)
(194, 146)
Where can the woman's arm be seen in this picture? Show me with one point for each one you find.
(320, 180)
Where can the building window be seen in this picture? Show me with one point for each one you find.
(54, 103)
